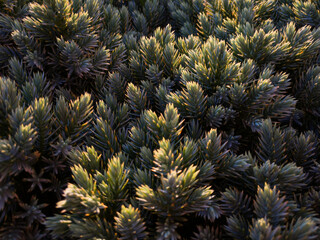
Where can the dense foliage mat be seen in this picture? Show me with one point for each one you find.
(156, 119)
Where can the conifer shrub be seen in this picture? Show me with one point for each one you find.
(154, 119)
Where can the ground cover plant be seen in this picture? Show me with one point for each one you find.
(156, 119)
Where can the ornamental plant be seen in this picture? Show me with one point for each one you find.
(154, 119)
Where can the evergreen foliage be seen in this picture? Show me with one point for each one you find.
(154, 119)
